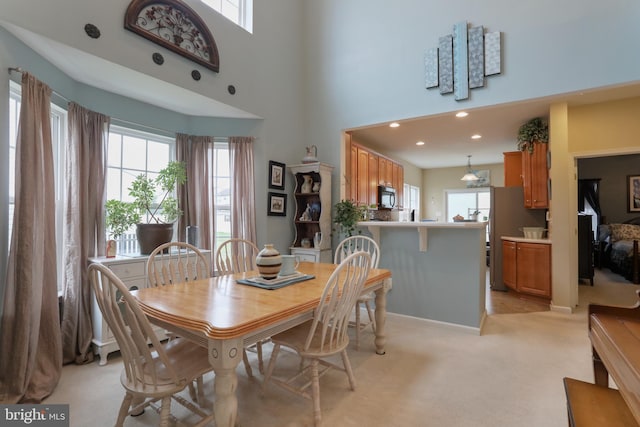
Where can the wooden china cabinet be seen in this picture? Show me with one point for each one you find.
(316, 201)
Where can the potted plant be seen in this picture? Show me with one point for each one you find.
(153, 201)
(532, 132)
(348, 214)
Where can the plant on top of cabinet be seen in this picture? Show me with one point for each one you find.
(532, 132)
(348, 214)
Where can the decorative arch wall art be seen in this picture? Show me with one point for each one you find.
(175, 26)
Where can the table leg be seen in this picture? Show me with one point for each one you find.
(224, 356)
(600, 373)
(381, 316)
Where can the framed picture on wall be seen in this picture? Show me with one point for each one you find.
(633, 191)
(276, 175)
(277, 204)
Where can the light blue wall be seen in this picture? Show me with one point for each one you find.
(265, 67)
(366, 57)
(314, 68)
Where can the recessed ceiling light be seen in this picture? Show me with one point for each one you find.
(476, 136)
(462, 114)
(420, 143)
(394, 125)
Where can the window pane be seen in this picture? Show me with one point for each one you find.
(134, 153)
(113, 184)
(158, 156)
(115, 150)
(127, 178)
(460, 204)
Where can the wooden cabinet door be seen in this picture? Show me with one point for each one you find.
(352, 184)
(362, 197)
(382, 171)
(509, 252)
(513, 169)
(373, 180)
(535, 177)
(533, 269)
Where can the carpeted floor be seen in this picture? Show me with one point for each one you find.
(431, 376)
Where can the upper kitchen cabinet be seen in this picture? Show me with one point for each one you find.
(367, 170)
(512, 169)
(535, 177)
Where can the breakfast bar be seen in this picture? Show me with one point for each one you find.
(439, 269)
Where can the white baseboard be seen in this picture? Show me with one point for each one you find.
(452, 326)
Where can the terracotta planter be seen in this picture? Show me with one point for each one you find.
(150, 236)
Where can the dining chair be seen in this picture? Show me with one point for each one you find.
(236, 256)
(239, 256)
(345, 248)
(178, 262)
(325, 334)
(151, 373)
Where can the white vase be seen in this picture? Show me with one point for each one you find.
(269, 262)
(307, 184)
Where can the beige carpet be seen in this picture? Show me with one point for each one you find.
(430, 376)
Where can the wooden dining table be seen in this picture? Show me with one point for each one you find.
(226, 317)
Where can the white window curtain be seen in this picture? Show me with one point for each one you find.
(84, 234)
(31, 356)
(243, 209)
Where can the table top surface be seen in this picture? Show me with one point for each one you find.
(220, 308)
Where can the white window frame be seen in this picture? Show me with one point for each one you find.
(411, 196)
(222, 212)
(484, 212)
(128, 243)
(242, 15)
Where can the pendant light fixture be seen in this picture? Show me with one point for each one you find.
(470, 175)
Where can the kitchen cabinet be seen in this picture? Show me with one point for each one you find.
(526, 267)
(132, 270)
(512, 169)
(361, 177)
(372, 199)
(535, 177)
(367, 170)
(317, 203)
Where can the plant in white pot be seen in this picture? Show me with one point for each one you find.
(154, 202)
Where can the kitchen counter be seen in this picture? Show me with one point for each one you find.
(422, 228)
(443, 282)
(525, 240)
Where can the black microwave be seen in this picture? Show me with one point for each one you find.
(386, 197)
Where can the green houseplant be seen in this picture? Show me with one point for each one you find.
(532, 132)
(347, 215)
(153, 202)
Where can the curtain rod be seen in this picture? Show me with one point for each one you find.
(21, 71)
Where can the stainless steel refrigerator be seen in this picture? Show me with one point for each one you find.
(507, 216)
